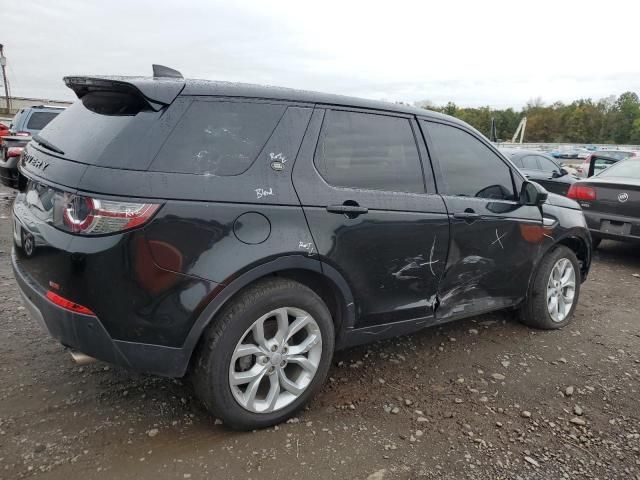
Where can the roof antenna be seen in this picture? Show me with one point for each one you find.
(160, 71)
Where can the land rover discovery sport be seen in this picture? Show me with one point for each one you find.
(240, 234)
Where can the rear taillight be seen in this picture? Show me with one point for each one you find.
(68, 304)
(14, 152)
(581, 192)
(92, 216)
(22, 134)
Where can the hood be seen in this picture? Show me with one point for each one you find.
(560, 201)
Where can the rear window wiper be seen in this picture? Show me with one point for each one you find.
(46, 144)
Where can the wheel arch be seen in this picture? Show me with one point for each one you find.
(574, 242)
(322, 279)
(582, 249)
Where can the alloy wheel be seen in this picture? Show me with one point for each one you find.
(561, 289)
(275, 360)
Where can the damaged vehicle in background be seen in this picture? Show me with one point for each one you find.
(610, 202)
(269, 228)
(598, 161)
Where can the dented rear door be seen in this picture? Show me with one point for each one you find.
(373, 216)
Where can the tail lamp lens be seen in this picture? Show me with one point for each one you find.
(14, 152)
(92, 216)
(581, 192)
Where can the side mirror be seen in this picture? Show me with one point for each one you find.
(533, 194)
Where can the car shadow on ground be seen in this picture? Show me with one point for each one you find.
(612, 252)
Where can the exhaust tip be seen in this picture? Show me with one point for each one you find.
(81, 358)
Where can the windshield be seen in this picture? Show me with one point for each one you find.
(626, 169)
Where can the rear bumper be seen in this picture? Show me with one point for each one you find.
(86, 333)
(630, 233)
(9, 171)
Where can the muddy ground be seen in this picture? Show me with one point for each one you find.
(482, 398)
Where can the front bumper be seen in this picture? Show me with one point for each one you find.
(86, 333)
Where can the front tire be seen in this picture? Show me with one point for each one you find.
(264, 355)
(554, 292)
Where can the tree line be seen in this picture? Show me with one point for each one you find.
(613, 120)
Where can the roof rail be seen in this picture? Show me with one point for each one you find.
(160, 71)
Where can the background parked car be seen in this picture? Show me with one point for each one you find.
(611, 202)
(27, 122)
(542, 169)
(564, 152)
(598, 161)
(30, 120)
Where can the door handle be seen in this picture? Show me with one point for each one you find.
(349, 209)
(466, 215)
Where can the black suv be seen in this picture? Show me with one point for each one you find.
(242, 233)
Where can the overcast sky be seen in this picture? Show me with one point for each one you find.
(496, 53)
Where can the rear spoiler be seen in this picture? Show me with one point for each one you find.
(159, 90)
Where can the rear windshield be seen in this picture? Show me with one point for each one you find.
(626, 169)
(109, 129)
(218, 137)
(117, 130)
(39, 120)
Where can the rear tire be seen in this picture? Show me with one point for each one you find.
(547, 304)
(255, 338)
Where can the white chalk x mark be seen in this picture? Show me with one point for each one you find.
(499, 239)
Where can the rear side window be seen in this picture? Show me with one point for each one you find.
(218, 138)
(517, 161)
(547, 165)
(376, 152)
(469, 168)
(39, 120)
(530, 162)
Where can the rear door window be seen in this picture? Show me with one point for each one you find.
(39, 120)
(369, 151)
(218, 137)
(517, 161)
(547, 165)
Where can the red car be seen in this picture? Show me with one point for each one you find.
(4, 131)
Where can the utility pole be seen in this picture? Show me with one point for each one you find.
(3, 64)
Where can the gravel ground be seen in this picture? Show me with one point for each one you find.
(482, 398)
